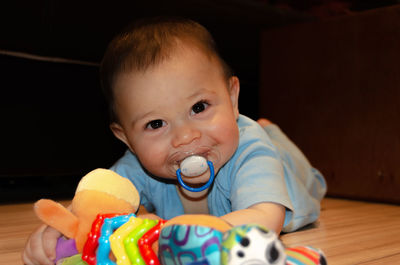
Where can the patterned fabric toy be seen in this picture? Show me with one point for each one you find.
(253, 244)
(192, 238)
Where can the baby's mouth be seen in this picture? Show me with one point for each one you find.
(195, 166)
(176, 159)
(179, 162)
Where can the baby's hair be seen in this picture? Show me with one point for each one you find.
(149, 42)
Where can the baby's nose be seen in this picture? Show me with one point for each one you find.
(184, 135)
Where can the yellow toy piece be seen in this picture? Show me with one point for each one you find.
(117, 240)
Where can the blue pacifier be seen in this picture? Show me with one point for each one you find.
(192, 166)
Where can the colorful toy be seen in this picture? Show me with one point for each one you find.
(195, 240)
(108, 228)
(131, 241)
(189, 238)
(117, 239)
(107, 232)
(147, 241)
(90, 248)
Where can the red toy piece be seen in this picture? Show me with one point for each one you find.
(147, 240)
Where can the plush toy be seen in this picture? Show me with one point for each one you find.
(192, 238)
(107, 232)
(100, 191)
(254, 244)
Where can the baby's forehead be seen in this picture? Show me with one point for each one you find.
(182, 48)
(172, 75)
(180, 52)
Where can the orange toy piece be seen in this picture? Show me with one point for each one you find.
(213, 222)
(100, 191)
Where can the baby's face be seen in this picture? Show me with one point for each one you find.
(180, 107)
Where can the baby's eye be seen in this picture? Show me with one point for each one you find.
(199, 107)
(153, 125)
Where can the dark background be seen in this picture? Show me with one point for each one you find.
(54, 125)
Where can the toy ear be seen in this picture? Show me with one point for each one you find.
(57, 216)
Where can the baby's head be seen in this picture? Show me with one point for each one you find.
(171, 95)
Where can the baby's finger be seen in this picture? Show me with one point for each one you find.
(33, 253)
(49, 238)
(25, 258)
(41, 259)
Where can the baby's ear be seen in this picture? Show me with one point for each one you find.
(119, 132)
(234, 89)
(57, 216)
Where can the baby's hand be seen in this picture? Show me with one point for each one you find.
(41, 246)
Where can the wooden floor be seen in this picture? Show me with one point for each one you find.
(349, 232)
(352, 232)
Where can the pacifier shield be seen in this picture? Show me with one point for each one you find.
(194, 166)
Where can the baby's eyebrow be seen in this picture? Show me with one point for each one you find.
(200, 92)
(147, 112)
(141, 117)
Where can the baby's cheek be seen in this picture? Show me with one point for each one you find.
(153, 161)
(151, 158)
(227, 136)
(228, 132)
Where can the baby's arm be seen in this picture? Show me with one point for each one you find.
(269, 215)
(41, 246)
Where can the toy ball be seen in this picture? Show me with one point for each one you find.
(190, 244)
(252, 244)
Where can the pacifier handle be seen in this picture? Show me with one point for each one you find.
(205, 186)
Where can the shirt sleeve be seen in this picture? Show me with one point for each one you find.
(257, 173)
(305, 184)
(294, 159)
(268, 167)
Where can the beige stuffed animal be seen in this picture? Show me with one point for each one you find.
(100, 191)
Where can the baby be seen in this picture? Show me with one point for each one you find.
(174, 103)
